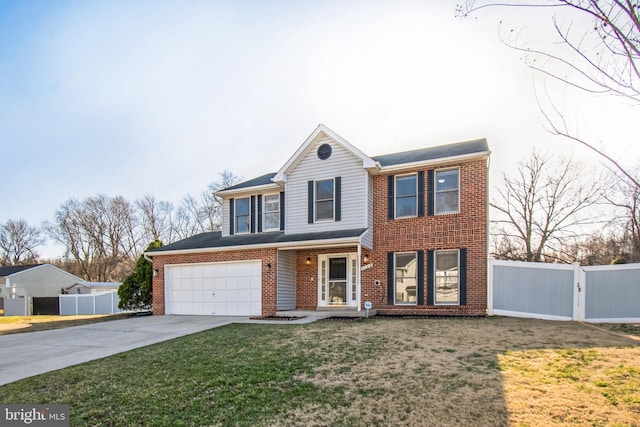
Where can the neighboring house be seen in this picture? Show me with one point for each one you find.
(334, 228)
(95, 288)
(25, 282)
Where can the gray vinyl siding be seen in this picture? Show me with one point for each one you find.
(354, 178)
(225, 217)
(286, 279)
(612, 294)
(367, 239)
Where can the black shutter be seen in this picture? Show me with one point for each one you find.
(390, 197)
(390, 279)
(310, 203)
(282, 211)
(338, 198)
(430, 186)
(232, 217)
(463, 276)
(252, 214)
(421, 193)
(420, 273)
(259, 213)
(431, 286)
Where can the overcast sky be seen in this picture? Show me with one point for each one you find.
(156, 97)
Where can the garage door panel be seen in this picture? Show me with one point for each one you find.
(233, 288)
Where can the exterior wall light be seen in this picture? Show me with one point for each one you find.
(308, 260)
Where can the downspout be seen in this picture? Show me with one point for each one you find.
(358, 281)
(488, 236)
(147, 257)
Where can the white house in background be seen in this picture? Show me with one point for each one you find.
(94, 288)
(37, 280)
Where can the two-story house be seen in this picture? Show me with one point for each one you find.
(335, 227)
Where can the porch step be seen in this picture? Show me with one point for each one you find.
(325, 312)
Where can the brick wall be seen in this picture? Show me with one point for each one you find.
(307, 275)
(467, 229)
(268, 256)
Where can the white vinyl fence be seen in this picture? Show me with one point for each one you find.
(609, 293)
(105, 303)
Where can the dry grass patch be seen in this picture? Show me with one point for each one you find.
(495, 371)
(20, 324)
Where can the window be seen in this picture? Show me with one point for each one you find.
(272, 212)
(406, 196)
(447, 191)
(447, 285)
(243, 215)
(405, 266)
(324, 199)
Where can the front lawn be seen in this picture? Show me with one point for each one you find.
(471, 372)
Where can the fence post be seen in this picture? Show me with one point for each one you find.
(577, 284)
(582, 302)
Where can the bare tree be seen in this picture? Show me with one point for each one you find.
(602, 60)
(626, 198)
(18, 242)
(155, 218)
(100, 234)
(542, 210)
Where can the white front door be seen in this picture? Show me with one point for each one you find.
(337, 280)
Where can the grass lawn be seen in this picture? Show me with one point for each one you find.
(375, 372)
(20, 324)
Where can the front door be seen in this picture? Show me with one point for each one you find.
(337, 280)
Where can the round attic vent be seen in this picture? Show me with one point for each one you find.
(324, 151)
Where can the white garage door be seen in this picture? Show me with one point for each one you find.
(221, 288)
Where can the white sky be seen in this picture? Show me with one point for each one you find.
(132, 98)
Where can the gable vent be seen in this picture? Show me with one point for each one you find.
(324, 151)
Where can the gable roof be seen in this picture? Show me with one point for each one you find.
(13, 269)
(381, 163)
(214, 240)
(367, 162)
(439, 152)
(266, 179)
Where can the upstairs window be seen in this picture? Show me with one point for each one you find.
(406, 192)
(243, 215)
(324, 198)
(272, 212)
(447, 186)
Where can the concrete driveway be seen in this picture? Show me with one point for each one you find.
(33, 353)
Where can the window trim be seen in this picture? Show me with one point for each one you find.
(265, 212)
(435, 276)
(235, 218)
(315, 200)
(435, 191)
(395, 269)
(395, 195)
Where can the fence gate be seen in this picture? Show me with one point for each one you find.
(46, 305)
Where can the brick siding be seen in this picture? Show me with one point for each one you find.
(467, 229)
(268, 256)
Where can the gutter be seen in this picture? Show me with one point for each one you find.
(306, 244)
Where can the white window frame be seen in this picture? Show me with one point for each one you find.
(395, 195)
(435, 191)
(395, 279)
(235, 213)
(435, 276)
(265, 212)
(316, 200)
